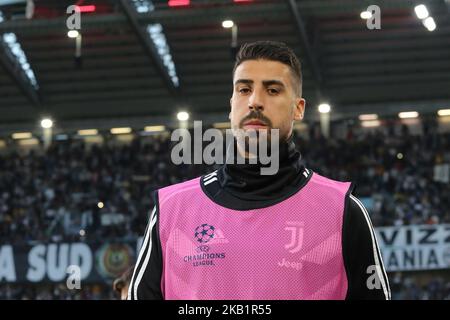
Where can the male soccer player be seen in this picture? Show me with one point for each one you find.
(238, 234)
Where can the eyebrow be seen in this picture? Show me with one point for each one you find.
(266, 83)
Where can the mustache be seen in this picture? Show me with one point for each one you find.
(255, 115)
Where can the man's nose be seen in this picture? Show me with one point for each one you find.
(256, 101)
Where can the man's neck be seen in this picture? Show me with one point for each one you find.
(242, 187)
(246, 179)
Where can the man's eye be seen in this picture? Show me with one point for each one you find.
(244, 90)
(273, 91)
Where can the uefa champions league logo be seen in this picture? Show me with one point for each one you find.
(204, 233)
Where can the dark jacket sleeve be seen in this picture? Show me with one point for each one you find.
(367, 279)
(146, 280)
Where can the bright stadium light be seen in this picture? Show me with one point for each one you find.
(121, 130)
(227, 24)
(156, 33)
(421, 11)
(143, 6)
(154, 128)
(46, 123)
(324, 108)
(408, 115)
(9, 38)
(21, 135)
(368, 117)
(370, 123)
(87, 132)
(182, 116)
(429, 24)
(73, 33)
(18, 57)
(443, 112)
(100, 205)
(366, 15)
(158, 38)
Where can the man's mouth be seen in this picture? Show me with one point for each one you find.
(254, 124)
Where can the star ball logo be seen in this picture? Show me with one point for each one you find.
(204, 233)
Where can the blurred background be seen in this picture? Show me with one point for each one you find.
(88, 102)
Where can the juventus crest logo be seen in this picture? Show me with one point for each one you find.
(296, 230)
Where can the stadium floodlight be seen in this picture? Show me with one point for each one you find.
(154, 128)
(370, 123)
(408, 115)
(100, 205)
(368, 117)
(421, 11)
(10, 39)
(21, 135)
(366, 15)
(87, 132)
(227, 24)
(324, 108)
(443, 112)
(46, 123)
(73, 33)
(120, 130)
(143, 6)
(429, 24)
(182, 116)
(155, 30)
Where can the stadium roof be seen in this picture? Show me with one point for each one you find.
(401, 66)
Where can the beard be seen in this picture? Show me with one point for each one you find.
(240, 131)
(249, 140)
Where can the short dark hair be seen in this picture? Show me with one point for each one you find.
(274, 51)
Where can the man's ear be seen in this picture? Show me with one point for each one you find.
(299, 108)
